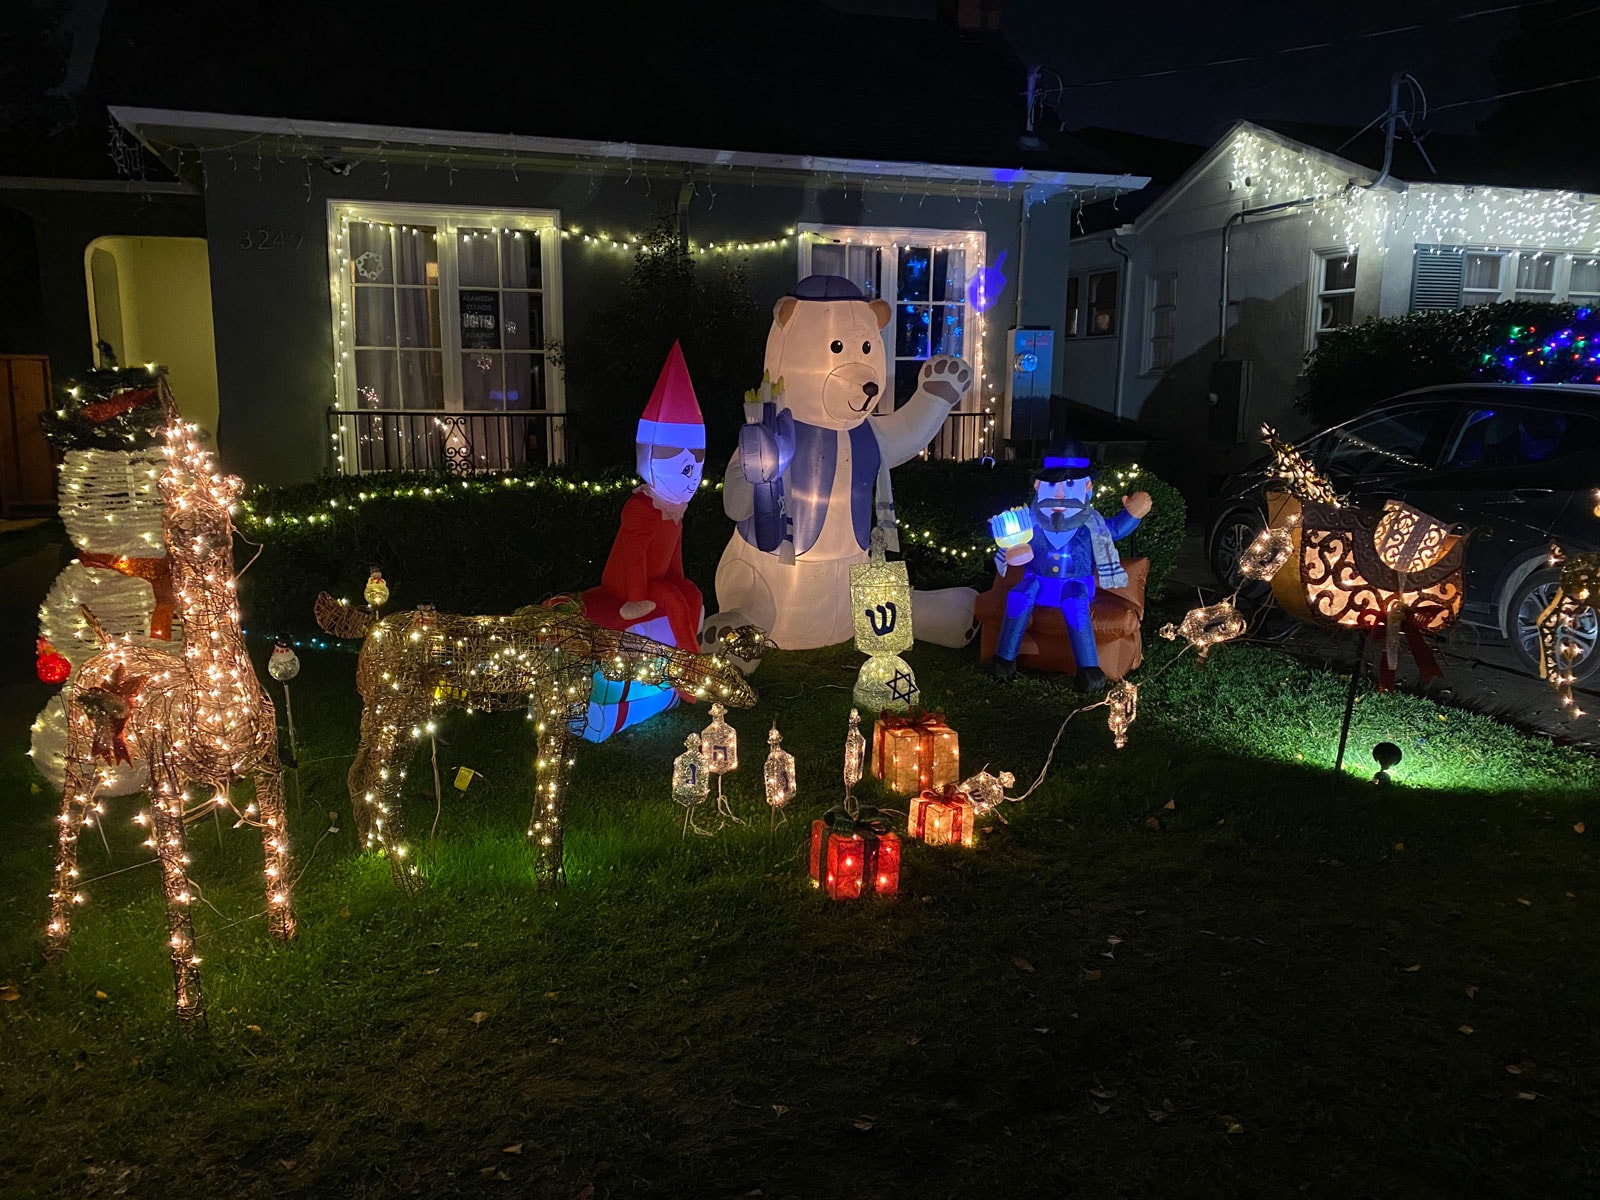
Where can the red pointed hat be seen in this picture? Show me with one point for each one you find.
(672, 418)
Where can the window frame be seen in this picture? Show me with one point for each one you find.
(889, 240)
(1153, 306)
(1076, 319)
(448, 220)
(1320, 259)
(1559, 292)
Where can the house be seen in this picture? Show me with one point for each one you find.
(387, 273)
(1195, 317)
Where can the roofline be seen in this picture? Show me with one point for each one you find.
(1168, 197)
(36, 183)
(144, 123)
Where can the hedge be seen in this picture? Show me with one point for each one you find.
(493, 543)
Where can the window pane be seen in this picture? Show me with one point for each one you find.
(915, 262)
(1338, 273)
(421, 379)
(480, 320)
(369, 253)
(906, 373)
(1166, 289)
(524, 380)
(377, 383)
(1511, 437)
(521, 321)
(520, 260)
(479, 257)
(1160, 354)
(482, 381)
(1103, 303)
(1483, 273)
(950, 275)
(911, 330)
(1585, 276)
(1162, 326)
(419, 316)
(374, 316)
(1389, 442)
(1072, 307)
(1335, 312)
(417, 255)
(949, 328)
(1536, 272)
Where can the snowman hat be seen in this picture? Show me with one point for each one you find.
(672, 418)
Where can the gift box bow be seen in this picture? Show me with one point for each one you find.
(1401, 620)
(866, 822)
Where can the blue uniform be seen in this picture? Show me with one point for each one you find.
(1061, 574)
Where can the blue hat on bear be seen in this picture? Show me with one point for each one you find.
(826, 287)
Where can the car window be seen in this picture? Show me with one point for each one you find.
(1510, 436)
(1404, 439)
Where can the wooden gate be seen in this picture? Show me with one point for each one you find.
(27, 463)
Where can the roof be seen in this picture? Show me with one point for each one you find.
(795, 78)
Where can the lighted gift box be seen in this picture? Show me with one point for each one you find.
(942, 818)
(852, 857)
(916, 753)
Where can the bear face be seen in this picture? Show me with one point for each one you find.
(830, 355)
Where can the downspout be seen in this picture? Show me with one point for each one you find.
(1122, 323)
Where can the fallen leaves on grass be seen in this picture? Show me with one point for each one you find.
(1472, 991)
(913, 1039)
(1399, 845)
(1513, 1069)
(1022, 964)
(1103, 1093)
(1578, 827)
(479, 1017)
(1101, 1109)
(1527, 1096)
(1170, 806)
(1152, 822)
(1524, 902)
(1230, 1125)
(780, 1109)
(864, 1123)
(1464, 1029)
(517, 1149)
(99, 995)
(9, 991)
(253, 1028)
(1091, 975)
(1413, 968)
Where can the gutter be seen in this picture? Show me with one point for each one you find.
(1123, 342)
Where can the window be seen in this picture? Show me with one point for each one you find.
(1454, 277)
(924, 273)
(1091, 304)
(445, 311)
(1406, 439)
(1514, 437)
(1073, 288)
(1163, 311)
(1335, 301)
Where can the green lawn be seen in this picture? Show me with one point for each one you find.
(1198, 966)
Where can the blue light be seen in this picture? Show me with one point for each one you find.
(986, 286)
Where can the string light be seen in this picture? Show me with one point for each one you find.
(415, 666)
(1207, 626)
(1577, 588)
(203, 719)
(777, 774)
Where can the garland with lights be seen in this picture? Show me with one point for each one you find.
(112, 408)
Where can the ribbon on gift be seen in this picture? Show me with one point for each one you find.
(925, 725)
(1389, 625)
(866, 824)
(157, 572)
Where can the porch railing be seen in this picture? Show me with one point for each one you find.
(963, 437)
(425, 439)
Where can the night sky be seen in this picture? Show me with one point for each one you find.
(1345, 83)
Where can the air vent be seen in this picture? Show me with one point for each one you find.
(1436, 277)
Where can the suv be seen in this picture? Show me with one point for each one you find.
(1516, 464)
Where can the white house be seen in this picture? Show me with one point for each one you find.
(1195, 319)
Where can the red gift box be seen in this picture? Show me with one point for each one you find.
(852, 857)
(942, 818)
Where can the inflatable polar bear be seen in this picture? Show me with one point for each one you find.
(821, 459)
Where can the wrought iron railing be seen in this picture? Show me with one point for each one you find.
(424, 439)
(963, 437)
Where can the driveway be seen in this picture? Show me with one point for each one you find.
(1481, 673)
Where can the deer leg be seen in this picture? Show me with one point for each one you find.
(173, 851)
(77, 799)
(275, 844)
(550, 799)
(375, 794)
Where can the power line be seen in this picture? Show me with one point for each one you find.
(1310, 46)
(1548, 87)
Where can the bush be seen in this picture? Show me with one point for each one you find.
(492, 544)
(1358, 366)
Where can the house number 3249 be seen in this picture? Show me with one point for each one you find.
(269, 239)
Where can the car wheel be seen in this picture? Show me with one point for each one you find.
(1230, 538)
(1532, 597)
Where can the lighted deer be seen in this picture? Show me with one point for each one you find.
(204, 720)
(416, 664)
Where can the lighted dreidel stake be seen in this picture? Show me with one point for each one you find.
(778, 776)
(720, 745)
(283, 664)
(691, 783)
(855, 758)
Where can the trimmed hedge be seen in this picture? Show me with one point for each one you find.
(493, 544)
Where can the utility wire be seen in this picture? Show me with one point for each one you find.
(1548, 87)
(1359, 37)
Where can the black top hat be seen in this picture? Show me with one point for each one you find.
(1066, 459)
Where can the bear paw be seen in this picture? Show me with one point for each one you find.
(946, 377)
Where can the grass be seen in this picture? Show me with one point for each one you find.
(1199, 966)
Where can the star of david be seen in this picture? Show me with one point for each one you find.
(902, 686)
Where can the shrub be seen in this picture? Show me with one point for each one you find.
(494, 543)
(1358, 366)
